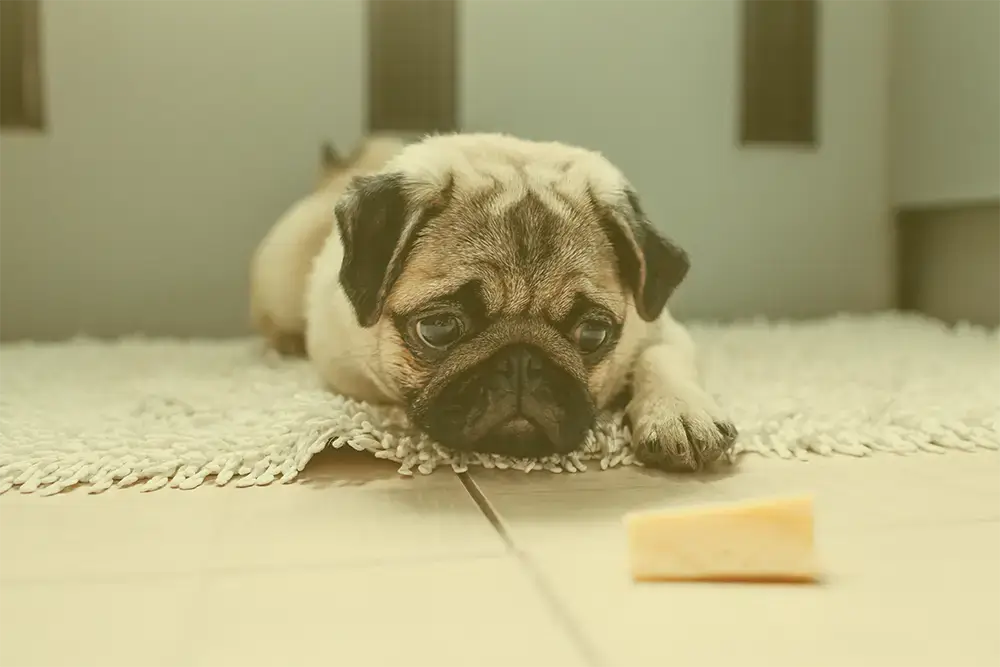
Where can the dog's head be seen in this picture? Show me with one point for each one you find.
(507, 282)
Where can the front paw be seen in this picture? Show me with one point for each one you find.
(676, 435)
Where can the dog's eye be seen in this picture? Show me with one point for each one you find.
(439, 331)
(591, 335)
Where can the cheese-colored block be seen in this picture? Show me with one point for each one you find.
(765, 540)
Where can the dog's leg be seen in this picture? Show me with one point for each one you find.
(676, 424)
(280, 270)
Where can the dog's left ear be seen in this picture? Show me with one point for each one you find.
(651, 265)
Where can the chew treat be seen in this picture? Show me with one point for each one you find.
(762, 540)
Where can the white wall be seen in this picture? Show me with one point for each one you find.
(178, 132)
(945, 101)
(654, 85)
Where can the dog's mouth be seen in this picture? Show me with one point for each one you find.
(518, 437)
(516, 403)
(518, 425)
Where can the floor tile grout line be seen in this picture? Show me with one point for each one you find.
(486, 507)
(591, 655)
(354, 563)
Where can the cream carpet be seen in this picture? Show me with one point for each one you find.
(159, 413)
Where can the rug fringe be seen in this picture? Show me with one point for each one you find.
(934, 393)
(416, 454)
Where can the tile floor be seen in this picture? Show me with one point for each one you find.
(356, 566)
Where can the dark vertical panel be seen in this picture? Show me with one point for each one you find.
(20, 64)
(911, 254)
(411, 65)
(949, 265)
(11, 63)
(779, 84)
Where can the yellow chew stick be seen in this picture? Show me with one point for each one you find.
(757, 541)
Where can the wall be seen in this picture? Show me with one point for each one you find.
(945, 157)
(163, 166)
(945, 102)
(177, 133)
(654, 85)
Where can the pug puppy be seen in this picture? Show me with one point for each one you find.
(504, 292)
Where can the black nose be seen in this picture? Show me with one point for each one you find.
(519, 370)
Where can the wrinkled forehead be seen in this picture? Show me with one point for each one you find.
(476, 162)
(527, 247)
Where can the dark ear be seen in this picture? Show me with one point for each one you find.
(371, 218)
(651, 265)
(378, 219)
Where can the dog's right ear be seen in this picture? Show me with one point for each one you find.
(371, 217)
(378, 220)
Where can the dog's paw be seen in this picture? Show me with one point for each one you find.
(676, 435)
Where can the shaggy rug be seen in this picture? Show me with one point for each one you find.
(165, 413)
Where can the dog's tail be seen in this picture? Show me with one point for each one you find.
(370, 155)
(329, 158)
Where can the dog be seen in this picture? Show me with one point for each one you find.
(503, 291)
